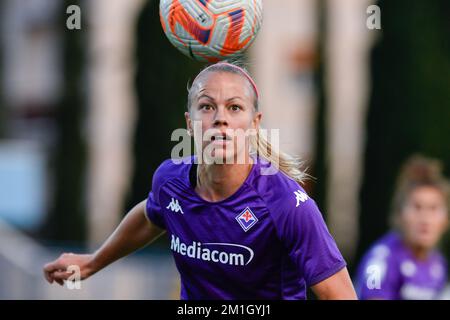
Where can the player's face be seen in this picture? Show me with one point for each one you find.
(424, 218)
(222, 115)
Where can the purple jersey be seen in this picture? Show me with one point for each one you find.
(390, 271)
(266, 241)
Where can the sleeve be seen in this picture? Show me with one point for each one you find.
(377, 276)
(304, 233)
(153, 211)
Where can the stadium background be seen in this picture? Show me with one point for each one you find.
(86, 117)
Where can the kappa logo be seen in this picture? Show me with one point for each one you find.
(174, 206)
(300, 196)
(246, 219)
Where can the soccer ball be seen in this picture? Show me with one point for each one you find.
(211, 30)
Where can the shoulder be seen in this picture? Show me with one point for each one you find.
(280, 193)
(378, 274)
(171, 169)
(384, 247)
(439, 258)
(383, 254)
(439, 268)
(383, 258)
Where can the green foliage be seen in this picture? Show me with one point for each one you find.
(161, 82)
(410, 102)
(319, 169)
(66, 220)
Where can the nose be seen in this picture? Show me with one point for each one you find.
(220, 118)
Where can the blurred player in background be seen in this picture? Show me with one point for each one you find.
(404, 264)
(235, 232)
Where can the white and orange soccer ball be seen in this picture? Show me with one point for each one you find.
(211, 30)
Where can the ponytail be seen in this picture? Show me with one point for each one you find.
(286, 163)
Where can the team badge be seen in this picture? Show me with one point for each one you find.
(246, 219)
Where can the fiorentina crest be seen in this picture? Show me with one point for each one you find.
(246, 219)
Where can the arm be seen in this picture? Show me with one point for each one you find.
(134, 232)
(337, 287)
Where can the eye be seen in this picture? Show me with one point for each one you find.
(235, 107)
(205, 106)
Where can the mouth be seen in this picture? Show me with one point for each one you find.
(424, 231)
(220, 137)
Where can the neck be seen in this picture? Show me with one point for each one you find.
(216, 182)
(420, 252)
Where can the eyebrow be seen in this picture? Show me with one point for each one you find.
(210, 98)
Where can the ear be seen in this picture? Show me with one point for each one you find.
(256, 119)
(187, 116)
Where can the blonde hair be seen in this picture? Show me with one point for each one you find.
(418, 171)
(288, 164)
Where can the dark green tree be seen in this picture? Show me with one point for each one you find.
(319, 169)
(161, 81)
(409, 105)
(2, 102)
(66, 220)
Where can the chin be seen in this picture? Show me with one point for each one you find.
(219, 157)
(426, 243)
(225, 156)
